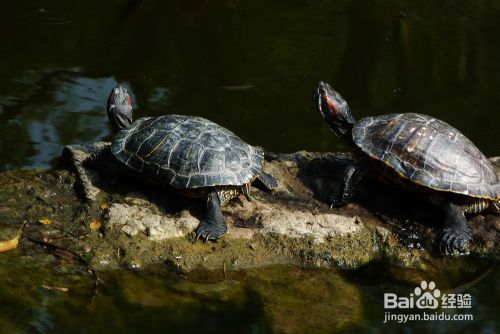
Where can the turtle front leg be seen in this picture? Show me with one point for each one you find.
(353, 174)
(456, 232)
(213, 226)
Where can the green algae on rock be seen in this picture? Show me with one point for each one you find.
(291, 225)
(143, 224)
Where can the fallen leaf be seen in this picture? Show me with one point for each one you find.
(95, 225)
(104, 206)
(11, 244)
(45, 221)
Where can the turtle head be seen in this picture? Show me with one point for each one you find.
(334, 110)
(119, 108)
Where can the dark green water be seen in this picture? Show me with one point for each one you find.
(54, 297)
(251, 66)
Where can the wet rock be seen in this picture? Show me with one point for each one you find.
(291, 224)
(157, 227)
(76, 157)
(143, 223)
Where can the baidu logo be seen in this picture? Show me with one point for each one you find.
(427, 296)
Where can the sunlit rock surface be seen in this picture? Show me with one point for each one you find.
(143, 224)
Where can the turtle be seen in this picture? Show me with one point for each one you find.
(418, 153)
(190, 154)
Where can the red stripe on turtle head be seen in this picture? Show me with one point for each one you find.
(332, 105)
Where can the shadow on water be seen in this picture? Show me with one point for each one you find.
(59, 297)
(267, 300)
(480, 280)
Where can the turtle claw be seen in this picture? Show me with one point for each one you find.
(335, 200)
(454, 242)
(210, 231)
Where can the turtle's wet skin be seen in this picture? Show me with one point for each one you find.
(193, 155)
(419, 153)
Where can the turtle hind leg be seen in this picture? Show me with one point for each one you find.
(456, 233)
(212, 227)
(266, 182)
(477, 205)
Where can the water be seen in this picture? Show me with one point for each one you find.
(60, 298)
(252, 67)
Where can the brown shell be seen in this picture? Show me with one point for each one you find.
(428, 152)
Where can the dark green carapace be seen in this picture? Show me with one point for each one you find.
(193, 155)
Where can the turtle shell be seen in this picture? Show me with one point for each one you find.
(428, 152)
(187, 152)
